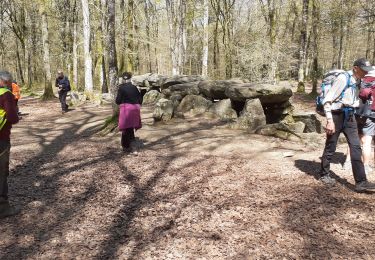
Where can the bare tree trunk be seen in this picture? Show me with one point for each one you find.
(315, 43)
(216, 61)
(148, 46)
(205, 40)
(87, 46)
(130, 38)
(19, 64)
(156, 37)
(303, 48)
(176, 12)
(173, 44)
(29, 78)
(103, 33)
(111, 45)
(340, 59)
(123, 53)
(369, 38)
(75, 55)
(48, 92)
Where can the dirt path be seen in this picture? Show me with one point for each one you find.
(195, 191)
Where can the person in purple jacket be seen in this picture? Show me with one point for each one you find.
(8, 117)
(129, 99)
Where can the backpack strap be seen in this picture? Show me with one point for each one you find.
(3, 119)
(3, 91)
(348, 111)
(347, 83)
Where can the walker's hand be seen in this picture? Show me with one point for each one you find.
(330, 127)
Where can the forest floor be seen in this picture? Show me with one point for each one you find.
(196, 190)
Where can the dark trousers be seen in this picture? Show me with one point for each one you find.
(127, 137)
(350, 130)
(18, 110)
(62, 98)
(4, 171)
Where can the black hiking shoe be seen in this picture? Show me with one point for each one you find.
(9, 211)
(328, 180)
(126, 149)
(364, 186)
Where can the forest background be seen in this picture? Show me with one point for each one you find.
(93, 41)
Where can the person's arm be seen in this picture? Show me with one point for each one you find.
(10, 108)
(365, 93)
(140, 98)
(118, 97)
(56, 83)
(67, 84)
(333, 93)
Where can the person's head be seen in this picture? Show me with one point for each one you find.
(361, 67)
(126, 76)
(5, 79)
(60, 74)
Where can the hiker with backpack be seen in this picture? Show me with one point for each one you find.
(365, 116)
(367, 112)
(339, 102)
(63, 85)
(129, 99)
(8, 117)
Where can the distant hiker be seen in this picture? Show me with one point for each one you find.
(130, 100)
(63, 85)
(339, 104)
(8, 117)
(16, 93)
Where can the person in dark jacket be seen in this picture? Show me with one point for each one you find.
(129, 99)
(8, 117)
(63, 85)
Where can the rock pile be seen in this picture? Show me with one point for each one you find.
(259, 108)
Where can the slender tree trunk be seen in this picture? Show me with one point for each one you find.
(148, 24)
(103, 48)
(28, 50)
(315, 43)
(176, 12)
(111, 44)
(340, 60)
(130, 38)
(369, 38)
(19, 64)
(303, 47)
(87, 46)
(75, 55)
(205, 40)
(156, 37)
(123, 53)
(48, 92)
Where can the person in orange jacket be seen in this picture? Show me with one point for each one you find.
(16, 93)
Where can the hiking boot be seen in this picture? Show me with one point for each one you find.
(364, 186)
(126, 149)
(9, 211)
(328, 180)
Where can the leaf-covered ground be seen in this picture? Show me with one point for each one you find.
(196, 190)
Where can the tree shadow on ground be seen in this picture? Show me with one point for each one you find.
(46, 192)
(326, 222)
(312, 168)
(121, 233)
